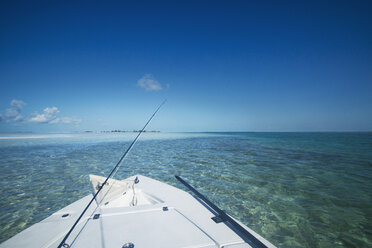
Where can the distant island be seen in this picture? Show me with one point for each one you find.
(125, 131)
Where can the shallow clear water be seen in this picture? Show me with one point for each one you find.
(295, 189)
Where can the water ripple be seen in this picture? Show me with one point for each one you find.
(296, 190)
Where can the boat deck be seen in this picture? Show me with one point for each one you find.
(147, 214)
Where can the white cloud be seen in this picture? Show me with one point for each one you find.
(17, 104)
(66, 120)
(14, 112)
(49, 115)
(149, 83)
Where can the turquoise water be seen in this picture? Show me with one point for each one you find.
(295, 189)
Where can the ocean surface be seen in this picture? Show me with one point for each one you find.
(295, 189)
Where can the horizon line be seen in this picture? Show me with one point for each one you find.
(200, 131)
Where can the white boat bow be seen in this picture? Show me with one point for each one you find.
(148, 213)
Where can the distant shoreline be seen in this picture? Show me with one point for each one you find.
(156, 131)
(124, 131)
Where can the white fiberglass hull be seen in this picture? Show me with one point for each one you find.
(147, 214)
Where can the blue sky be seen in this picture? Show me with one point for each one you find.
(223, 66)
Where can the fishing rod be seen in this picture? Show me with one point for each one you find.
(223, 217)
(63, 244)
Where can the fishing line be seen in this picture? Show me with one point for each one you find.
(63, 244)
